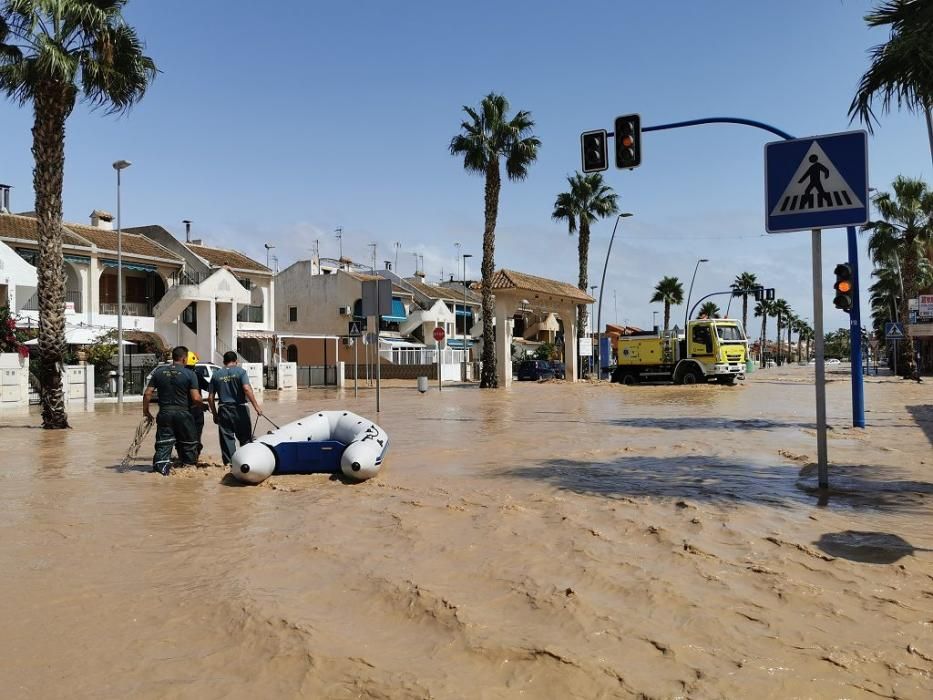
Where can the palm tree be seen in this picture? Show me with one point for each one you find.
(903, 236)
(764, 308)
(668, 291)
(589, 199)
(745, 284)
(52, 52)
(901, 70)
(487, 137)
(709, 309)
(782, 311)
(791, 324)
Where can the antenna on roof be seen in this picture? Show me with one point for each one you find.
(187, 223)
(338, 233)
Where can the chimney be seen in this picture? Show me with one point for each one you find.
(388, 264)
(102, 220)
(187, 223)
(4, 199)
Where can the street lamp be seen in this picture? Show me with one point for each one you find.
(654, 319)
(464, 258)
(602, 281)
(690, 293)
(118, 166)
(268, 248)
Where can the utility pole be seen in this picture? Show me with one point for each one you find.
(398, 246)
(338, 233)
(373, 246)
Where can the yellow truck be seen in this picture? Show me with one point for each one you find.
(711, 350)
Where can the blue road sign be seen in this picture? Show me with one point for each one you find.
(893, 331)
(816, 182)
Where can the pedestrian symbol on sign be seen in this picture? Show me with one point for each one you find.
(816, 185)
(354, 330)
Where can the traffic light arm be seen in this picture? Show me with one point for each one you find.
(718, 120)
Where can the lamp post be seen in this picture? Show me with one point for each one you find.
(602, 281)
(654, 320)
(464, 258)
(118, 166)
(690, 293)
(268, 248)
(593, 288)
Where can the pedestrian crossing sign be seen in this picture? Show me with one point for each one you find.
(816, 182)
(893, 331)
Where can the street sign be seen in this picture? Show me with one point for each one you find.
(586, 346)
(925, 306)
(354, 329)
(816, 182)
(439, 334)
(377, 297)
(893, 331)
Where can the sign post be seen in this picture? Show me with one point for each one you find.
(811, 184)
(354, 332)
(377, 302)
(894, 332)
(438, 338)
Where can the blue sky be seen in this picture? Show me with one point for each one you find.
(279, 126)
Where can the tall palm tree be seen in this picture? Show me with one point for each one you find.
(709, 309)
(901, 70)
(903, 236)
(670, 292)
(782, 311)
(51, 53)
(764, 308)
(745, 284)
(791, 323)
(487, 137)
(588, 199)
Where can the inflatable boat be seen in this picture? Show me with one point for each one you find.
(326, 442)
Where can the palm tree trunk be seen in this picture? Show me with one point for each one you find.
(780, 329)
(583, 259)
(488, 376)
(667, 315)
(744, 312)
(764, 337)
(52, 107)
(910, 292)
(790, 330)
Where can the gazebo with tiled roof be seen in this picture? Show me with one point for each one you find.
(512, 289)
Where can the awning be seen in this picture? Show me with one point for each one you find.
(457, 343)
(398, 311)
(256, 335)
(80, 259)
(401, 343)
(138, 267)
(461, 311)
(80, 336)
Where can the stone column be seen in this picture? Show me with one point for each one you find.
(504, 308)
(569, 315)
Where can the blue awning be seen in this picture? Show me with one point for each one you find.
(398, 311)
(80, 259)
(461, 311)
(138, 267)
(457, 343)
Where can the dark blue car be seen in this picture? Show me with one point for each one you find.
(533, 370)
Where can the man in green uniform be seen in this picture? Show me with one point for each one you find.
(231, 388)
(178, 388)
(197, 411)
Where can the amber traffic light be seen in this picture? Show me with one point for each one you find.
(844, 287)
(628, 141)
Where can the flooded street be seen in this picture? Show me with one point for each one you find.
(550, 541)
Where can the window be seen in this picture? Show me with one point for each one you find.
(291, 353)
(729, 333)
(292, 314)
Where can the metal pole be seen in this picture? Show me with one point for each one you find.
(440, 387)
(356, 367)
(820, 368)
(690, 293)
(602, 281)
(119, 298)
(895, 358)
(930, 129)
(378, 369)
(855, 336)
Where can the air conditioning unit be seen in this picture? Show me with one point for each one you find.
(345, 310)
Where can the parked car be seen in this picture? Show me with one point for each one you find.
(559, 369)
(204, 370)
(533, 370)
(833, 361)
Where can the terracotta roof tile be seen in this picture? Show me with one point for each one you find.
(510, 279)
(25, 228)
(218, 257)
(433, 291)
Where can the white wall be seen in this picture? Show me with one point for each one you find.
(14, 380)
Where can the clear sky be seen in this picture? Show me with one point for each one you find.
(279, 125)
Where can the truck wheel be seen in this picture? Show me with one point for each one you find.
(690, 377)
(629, 379)
(727, 381)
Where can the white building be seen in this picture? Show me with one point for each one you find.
(17, 277)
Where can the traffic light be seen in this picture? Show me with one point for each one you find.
(759, 293)
(769, 294)
(628, 141)
(844, 287)
(594, 151)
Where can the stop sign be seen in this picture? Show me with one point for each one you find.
(439, 334)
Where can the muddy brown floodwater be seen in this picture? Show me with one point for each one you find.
(551, 541)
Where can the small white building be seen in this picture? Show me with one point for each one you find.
(17, 277)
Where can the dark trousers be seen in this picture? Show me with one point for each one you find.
(197, 415)
(233, 421)
(174, 426)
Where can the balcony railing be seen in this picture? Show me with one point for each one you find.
(130, 308)
(191, 278)
(32, 304)
(250, 314)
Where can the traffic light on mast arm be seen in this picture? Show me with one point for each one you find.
(844, 287)
(628, 141)
(594, 151)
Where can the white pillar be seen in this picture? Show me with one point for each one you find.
(569, 314)
(504, 341)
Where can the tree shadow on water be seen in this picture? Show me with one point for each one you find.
(717, 480)
(923, 416)
(867, 547)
